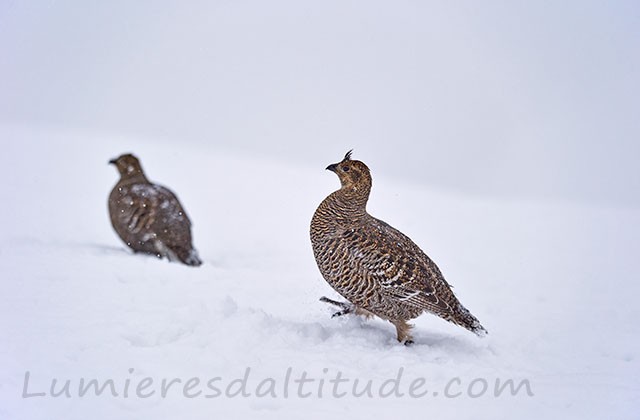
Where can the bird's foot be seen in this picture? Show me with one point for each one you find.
(403, 330)
(346, 307)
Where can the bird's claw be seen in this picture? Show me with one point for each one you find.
(347, 308)
(340, 313)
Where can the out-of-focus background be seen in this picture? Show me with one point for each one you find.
(503, 98)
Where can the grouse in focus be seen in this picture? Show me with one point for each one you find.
(379, 270)
(149, 217)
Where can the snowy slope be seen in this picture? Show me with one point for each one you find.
(554, 283)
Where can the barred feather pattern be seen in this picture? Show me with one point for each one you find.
(374, 266)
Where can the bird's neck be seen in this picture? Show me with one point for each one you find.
(134, 178)
(351, 201)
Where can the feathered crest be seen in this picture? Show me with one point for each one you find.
(348, 155)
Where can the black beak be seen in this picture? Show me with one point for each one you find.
(332, 167)
(112, 161)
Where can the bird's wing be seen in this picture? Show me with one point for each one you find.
(172, 226)
(402, 270)
(170, 206)
(436, 302)
(137, 208)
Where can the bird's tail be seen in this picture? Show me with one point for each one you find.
(465, 319)
(188, 256)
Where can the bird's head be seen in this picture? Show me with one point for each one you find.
(128, 165)
(353, 174)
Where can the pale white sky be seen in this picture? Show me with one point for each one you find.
(528, 99)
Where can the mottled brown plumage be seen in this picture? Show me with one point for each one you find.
(378, 269)
(149, 217)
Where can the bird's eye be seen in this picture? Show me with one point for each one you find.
(345, 168)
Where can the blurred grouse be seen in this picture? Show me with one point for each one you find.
(379, 270)
(149, 217)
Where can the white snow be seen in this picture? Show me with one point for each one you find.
(553, 283)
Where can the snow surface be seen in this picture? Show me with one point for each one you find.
(554, 283)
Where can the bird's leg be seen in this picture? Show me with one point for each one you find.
(403, 330)
(346, 307)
